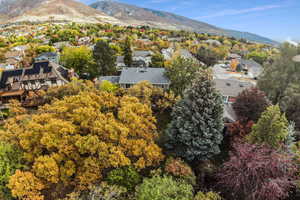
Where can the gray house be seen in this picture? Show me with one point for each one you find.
(133, 75)
(253, 68)
(48, 56)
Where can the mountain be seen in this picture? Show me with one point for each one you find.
(43, 10)
(134, 15)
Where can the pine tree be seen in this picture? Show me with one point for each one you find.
(127, 53)
(105, 59)
(195, 132)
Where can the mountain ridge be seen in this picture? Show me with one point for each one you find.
(161, 19)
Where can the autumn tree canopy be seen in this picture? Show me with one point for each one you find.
(70, 142)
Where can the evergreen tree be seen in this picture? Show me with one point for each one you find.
(271, 128)
(195, 132)
(105, 59)
(128, 53)
(157, 60)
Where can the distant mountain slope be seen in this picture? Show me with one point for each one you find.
(43, 10)
(142, 16)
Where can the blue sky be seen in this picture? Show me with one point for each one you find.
(276, 19)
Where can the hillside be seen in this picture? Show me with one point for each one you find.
(43, 10)
(143, 16)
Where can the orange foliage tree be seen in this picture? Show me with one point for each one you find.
(71, 142)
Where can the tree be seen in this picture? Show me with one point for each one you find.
(250, 104)
(164, 188)
(128, 52)
(157, 60)
(195, 132)
(25, 186)
(44, 49)
(290, 104)
(71, 142)
(280, 75)
(181, 72)
(239, 130)
(259, 57)
(207, 55)
(271, 128)
(78, 58)
(256, 173)
(105, 59)
(10, 161)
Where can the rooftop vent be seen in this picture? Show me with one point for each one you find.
(228, 84)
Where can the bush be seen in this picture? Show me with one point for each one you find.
(127, 177)
(207, 196)
(179, 169)
(164, 188)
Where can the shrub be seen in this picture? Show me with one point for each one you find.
(257, 173)
(179, 169)
(239, 130)
(127, 177)
(207, 196)
(164, 188)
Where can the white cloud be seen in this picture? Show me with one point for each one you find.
(239, 12)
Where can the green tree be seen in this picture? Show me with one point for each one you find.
(271, 129)
(181, 72)
(157, 60)
(279, 75)
(164, 188)
(258, 56)
(195, 132)
(44, 49)
(127, 52)
(78, 58)
(10, 161)
(290, 104)
(105, 59)
(208, 56)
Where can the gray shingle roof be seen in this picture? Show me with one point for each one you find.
(253, 67)
(135, 75)
(231, 87)
(141, 53)
(229, 114)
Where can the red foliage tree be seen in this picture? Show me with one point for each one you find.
(250, 104)
(238, 130)
(257, 173)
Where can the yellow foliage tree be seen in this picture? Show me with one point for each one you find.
(72, 141)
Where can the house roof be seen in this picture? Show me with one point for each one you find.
(231, 87)
(229, 114)
(253, 67)
(48, 54)
(134, 75)
(120, 59)
(142, 53)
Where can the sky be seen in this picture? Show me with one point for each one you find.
(275, 19)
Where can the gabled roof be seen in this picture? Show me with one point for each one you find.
(253, 67)
(112, 79)
(48, 54)
(141, 53)
(231, 87)
(135, 75)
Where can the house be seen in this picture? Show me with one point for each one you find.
(120, 62)
(168, 53)
(15, 83)
(131, 76)
(141, 58)
(213, 42)
(61, 45)
(233, 56)
(231, 88)
(252, 68)
(84, 41)
(48, 56)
